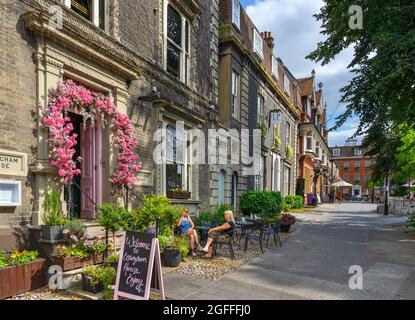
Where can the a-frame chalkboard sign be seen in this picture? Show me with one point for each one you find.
(139, 263)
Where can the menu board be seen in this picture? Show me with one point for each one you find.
(139, 268)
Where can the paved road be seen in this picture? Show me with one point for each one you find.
(314, 263)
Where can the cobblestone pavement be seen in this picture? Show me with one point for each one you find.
(314, 262)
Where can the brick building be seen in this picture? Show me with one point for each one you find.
(158, 62)
(354, 167)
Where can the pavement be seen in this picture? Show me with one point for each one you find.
(314, 262)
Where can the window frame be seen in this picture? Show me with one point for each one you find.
(287, 182)
(185, 54)
(258, 44)
(235, 80)
(260, 108)
(236, 14)
(95, 13)
(274, 67)
(336, 152)
(288, 133)
(287, 89)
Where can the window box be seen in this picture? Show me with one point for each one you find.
(72, 263)
(19, 279)
(183, 195)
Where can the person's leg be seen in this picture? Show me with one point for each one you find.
(208, 244)
(210, 253)
(192, 242)
(197, 242)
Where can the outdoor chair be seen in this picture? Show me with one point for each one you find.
(273, 230)
(255, 234)
(227, 238)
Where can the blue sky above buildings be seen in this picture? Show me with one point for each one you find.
(296, 34)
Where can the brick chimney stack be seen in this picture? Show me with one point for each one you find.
(269, 39)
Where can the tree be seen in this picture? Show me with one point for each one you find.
(382, 91)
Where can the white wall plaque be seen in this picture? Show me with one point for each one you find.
(13, 163)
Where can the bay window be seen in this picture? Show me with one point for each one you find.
(95, 11)
(178, 167)
(177, 44)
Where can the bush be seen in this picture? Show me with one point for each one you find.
(74, 231)
(103, 275)
(204, 218)
(52, 206)
(293, 202)
(265, 204)
(220, 210)
(411, 221)
(17, 258)
(111, 217)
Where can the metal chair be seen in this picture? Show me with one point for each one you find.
(228, 240)
(274, 231)
(255, 234)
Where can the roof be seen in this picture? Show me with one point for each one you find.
(348, 152)
(306, 85)
(318, 97)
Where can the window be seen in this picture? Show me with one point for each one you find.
(368, 163)
(259, 177)
(357, 152)
(287, 85)
(288, 134)
(357, 178)
(317, 151)
(236, 13)
(357, 164)
(221, 187)
(177, 45)
(323, 159)
(287, 178)
(346, 178)
(274, 67)
(235, 94)
(95, 11)
(258, 48)
(234, 189)
(346, 164)
(260, 110)
(178, 168)
(367, 178)
(309, 142)
(336, 152)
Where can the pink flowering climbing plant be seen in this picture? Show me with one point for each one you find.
(70, 96)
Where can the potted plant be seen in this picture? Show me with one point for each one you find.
(178, 193)
(112, 261)
(96, 279)
(174, 249)
(96, 249)
(53, 217)
(111, 218)
(20, 272)
(72, 257)
(287, 220)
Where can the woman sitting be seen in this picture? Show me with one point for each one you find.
(219, 231)
(187, 228)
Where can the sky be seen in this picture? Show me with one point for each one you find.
(296, 33)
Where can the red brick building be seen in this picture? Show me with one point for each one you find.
(354, 167)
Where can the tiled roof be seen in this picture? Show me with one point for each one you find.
(306, 85)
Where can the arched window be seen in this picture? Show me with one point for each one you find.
(221, 187)
(234, 189)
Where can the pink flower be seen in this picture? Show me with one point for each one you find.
(65, 231)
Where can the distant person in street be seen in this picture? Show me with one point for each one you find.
(219, 231)
(187, 229)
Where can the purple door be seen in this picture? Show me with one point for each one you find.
(91, 170)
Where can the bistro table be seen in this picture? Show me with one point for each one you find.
(204, 232)
(244, 225)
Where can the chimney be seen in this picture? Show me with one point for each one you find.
(269, 39)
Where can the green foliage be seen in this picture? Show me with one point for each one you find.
(265, 204)
(264, 130)
(178, 243)
(75, 251)
(104, 275)
(17, 258)
(74, 228)
(204, 218)
(411, 221)
(112, 217)
(53, 215)
(289, 152)
(170, 217)
(293, 202)
(220, 210)
(112, 258)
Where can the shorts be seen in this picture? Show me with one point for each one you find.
(218, 236)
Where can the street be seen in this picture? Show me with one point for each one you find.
(314, 262)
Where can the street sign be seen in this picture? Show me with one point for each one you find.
(276, 117)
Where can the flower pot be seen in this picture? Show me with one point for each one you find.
(72, 263)
(285, 228)
(88, 286)
(171, 257)
(52, 233)
(179, 195)
(19, 279)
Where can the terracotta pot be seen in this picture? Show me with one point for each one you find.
(19, 279)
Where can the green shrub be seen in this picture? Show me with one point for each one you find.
(74, 228)
(265, 204)
(178, 243)
(111, 217)
(17, 258)
(220, 210)
(53, 215)
(293, 202)
(411, 221)
(104, 275)
(3, 260)
(204, 218)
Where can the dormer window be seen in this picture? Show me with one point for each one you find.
(357, 152)
(274, 67)
(236, 13)
(258, 44)
(336, 152)
(95, 11)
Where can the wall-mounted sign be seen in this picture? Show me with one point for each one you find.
(139, 268)
(10, 193)
(276, 117)
(13, 163)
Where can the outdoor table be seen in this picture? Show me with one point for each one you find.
(204, 232)
(244, 226)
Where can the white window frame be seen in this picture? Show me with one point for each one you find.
(287, 180)
(236, 14)
(274, 67)
(184, 55)
(336, 152)
(288, 133)
(94, 12)
(258, 44)
(187, 159)
(287, 85)
(235, 94)
(259, 177)
(307, 137)
(260, 108)
(357, 152)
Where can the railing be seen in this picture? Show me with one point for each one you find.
(401, 206)
(71, 205)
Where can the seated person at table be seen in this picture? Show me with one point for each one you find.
(187, 228)
(218, 232)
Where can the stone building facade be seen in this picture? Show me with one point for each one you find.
(157, 60)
